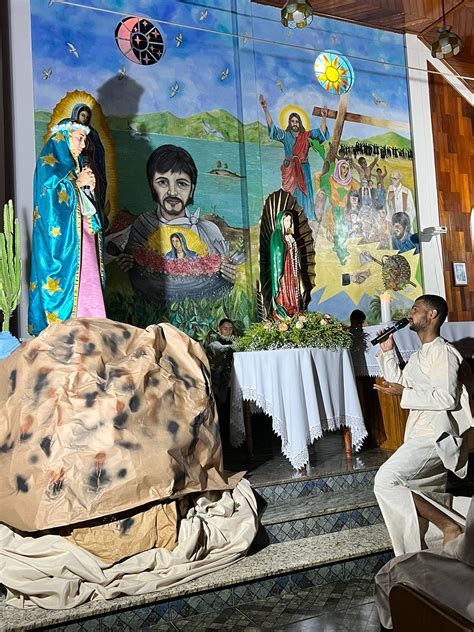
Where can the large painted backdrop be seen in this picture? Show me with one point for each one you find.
(204, 78)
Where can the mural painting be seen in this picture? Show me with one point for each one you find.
(186, 170)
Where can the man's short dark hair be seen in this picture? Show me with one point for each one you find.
(171, 158)
(433, 301)
(402, 218)
(225, 320)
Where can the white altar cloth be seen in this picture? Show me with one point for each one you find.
(460, 334)
(305, 391)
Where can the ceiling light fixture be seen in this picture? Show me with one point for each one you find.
(297, 15)
(448, 44)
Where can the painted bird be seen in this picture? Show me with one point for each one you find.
(179, 40)
(122, 72)
(211, 130)
(174, 89)
(378, 101)
(72, 49)
(203, 15)
(279, 85)
(47, 72)
(224, 74)
(51, 2)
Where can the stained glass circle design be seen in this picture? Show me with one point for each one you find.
(334, 72)
(140, 40)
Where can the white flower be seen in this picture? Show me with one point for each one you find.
(299, 324)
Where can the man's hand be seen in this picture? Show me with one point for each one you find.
(263, 102)
(125, 261)
(386, 345)
(389, 388)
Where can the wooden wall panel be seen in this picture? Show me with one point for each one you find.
(453, 127)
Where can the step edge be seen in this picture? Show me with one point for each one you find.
(305, 479)
(121, 604)
(316, 514)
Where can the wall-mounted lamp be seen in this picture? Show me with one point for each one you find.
(448, 44)
(434, 230)
(297, 15)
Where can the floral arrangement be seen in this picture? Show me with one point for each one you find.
(311, 329)
(207, 265)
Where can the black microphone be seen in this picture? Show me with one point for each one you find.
(400, 324)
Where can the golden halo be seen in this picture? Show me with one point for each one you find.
(160, 240)
(287, 110)
(63, 109)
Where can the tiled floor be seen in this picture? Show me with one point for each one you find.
(270, 466)
(338, 607)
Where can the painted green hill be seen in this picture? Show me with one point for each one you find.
(169, 124)
(391, 139)
(193, 126)
(226, 124)
(41, 116)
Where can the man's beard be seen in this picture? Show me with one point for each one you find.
(177, 208)
(416, 327)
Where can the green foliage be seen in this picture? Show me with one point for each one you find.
(10, 264)
(375, 314)
(312, 329)
(195, 317)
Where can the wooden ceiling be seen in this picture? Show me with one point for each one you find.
(421, 17)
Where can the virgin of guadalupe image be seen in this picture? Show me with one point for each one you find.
(286, 256)
(286, 267)
(179, 248)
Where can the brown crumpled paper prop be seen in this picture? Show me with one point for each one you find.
(99, 417)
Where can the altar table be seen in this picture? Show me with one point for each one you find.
(305, 391)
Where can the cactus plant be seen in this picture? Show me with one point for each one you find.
(10, 265)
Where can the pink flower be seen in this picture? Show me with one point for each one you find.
(282, 327)
(196, 266)
(267, 325)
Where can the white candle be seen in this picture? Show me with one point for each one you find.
(385, 307)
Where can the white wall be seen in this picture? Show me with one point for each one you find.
(418, 56)
(23, 135)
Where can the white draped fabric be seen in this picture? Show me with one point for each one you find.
(461, 335)
(53, 573)
(305, 391)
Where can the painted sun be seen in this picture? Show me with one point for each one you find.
(334, 72)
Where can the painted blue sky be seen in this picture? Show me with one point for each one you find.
(265, 52)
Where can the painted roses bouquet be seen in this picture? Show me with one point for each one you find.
(207, 265)
(312, 329)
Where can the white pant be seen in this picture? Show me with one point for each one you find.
(415, 465)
